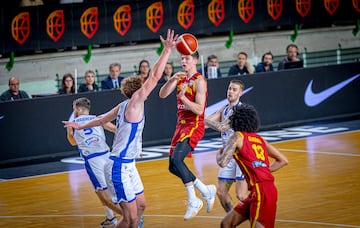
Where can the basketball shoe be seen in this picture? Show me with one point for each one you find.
(193, 208)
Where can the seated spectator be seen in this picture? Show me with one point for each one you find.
(113, 81)
(89, 85)
(292, 55)
(212, 63)
(67, 84)
(266, 63)
(168, 72)
(242, 66)
(144, 69)
(14, 92)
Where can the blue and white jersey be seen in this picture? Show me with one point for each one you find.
(227, 112)
(90, 140)
(128, 136)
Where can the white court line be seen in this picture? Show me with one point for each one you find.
(180, 216)
(323, 152)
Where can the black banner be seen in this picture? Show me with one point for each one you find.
(52, 26)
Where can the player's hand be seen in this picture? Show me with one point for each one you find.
(171, 38)
(71, 124)
(183, 88)
(225, 125)
(178, 76)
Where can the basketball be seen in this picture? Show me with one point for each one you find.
(187, 44)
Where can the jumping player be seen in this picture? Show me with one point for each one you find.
(191, 93)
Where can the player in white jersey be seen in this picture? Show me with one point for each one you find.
(125, 184)
(231, 173)
(94, 150)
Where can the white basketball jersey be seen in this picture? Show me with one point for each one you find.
(128, 136)
(227, 112)
(90, 140)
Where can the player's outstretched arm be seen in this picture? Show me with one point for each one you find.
(159, 66)
(98, 121)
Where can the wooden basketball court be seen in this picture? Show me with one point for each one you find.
(319, 188)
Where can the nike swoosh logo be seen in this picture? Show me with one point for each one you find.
(214, 107)
(312, 99)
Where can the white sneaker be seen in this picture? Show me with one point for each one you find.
(193, 208)
(210, 197)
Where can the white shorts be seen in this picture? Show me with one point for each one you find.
(94, 166)
(230, 172)
(123, 179)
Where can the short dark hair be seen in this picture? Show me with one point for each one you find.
(267, 53)
(195, 55)
(291, 45)
(242, 53)
(210, 57)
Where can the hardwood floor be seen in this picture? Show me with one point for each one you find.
(319, 188)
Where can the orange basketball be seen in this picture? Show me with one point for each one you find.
(187, 44)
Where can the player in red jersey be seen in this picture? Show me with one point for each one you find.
(252, 153)
(191, 94)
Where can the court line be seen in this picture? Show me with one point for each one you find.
(180, 216)
(312, 136)
(323, 152)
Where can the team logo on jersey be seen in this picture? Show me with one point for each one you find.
(92, 140)
(216, 12)
(20, 27)
(256, 164)
(55, 25)
(122, 19)
(155, 16)
(246, 10)
(89, 22)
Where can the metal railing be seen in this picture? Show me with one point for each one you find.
(311, 59)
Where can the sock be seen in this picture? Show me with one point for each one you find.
(201, 187)
(109, 213)
(191, 192)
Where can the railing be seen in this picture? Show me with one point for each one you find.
(311, 59)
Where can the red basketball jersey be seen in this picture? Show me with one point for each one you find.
(183, 112)
(253, 159)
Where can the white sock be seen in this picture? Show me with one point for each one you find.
(191, 192)
(109, 213)
(201, 187)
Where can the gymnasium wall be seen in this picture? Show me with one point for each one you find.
(31, 130)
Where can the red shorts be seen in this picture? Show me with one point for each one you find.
(192, 131)
(260, 205)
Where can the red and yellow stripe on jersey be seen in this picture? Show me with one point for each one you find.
(189, 126)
